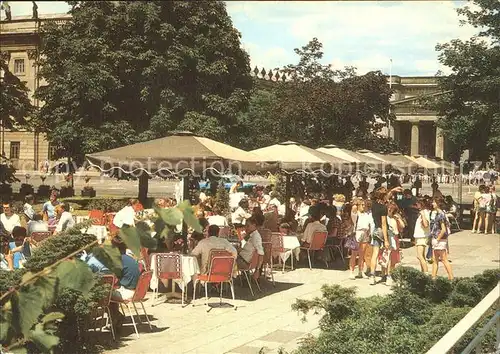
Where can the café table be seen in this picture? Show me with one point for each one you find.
(99, 231)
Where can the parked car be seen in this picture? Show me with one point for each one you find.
(228, 181)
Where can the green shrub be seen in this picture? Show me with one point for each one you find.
(222, 200)
(107, 205)
(410, 320)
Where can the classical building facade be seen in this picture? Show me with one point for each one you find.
(19, 46)
(415, 128)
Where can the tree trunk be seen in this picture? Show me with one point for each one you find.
(143, 188)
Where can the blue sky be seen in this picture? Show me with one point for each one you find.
(365, 34)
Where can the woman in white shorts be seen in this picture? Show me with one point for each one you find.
(439, 234)
(422, 232)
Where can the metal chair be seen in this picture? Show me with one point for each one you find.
(246, 271)
(97, 217)
(268, 258)
(103, 304)
(317, 244)
(220, 271)
(139, 294)
(40, 236)
(225, 232)
(168, 267)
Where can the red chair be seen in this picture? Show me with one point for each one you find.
(145, 258)
(265, 234)
(168, 267)
(138, 297)
(103, 304)
(278, 248)
(38, 237)
(317, 244)
(268, 258)
(97, 217)
(220, 272)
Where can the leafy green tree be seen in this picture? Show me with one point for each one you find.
(319, 105)
(122, 72)
(15, 105)
(469, 109)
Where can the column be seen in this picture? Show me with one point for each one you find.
(439, 143)
(415, 132)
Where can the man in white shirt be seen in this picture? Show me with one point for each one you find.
(9, 219)
(313, 226)
(126, 216)
(210, 243)
(253, 244)
(28, 207)
(66, 220)
(217, 218)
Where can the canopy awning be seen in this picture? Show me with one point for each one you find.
(179, 154)
(351, 156)
(294, 157)
(395, 160)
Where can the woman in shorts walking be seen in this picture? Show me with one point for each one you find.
(439, 235)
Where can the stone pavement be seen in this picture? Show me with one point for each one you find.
(268, 323)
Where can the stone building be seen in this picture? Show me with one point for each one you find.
(415, 128)
(19, 44)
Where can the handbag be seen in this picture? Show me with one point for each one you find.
(384, 257)
(351, 242)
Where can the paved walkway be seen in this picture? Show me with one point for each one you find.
(268, 321)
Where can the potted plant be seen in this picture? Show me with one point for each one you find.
(43, 189)
(68, 191)
(88, 191)
(26, 188)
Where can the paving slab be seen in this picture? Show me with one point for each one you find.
(268, 321)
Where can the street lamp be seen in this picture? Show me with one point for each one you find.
(2, 127)
(390, 88)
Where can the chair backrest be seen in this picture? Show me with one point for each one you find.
(268, 252)
(108, 279)
(145, 258)
(318, 240)
(40, 236)
(97, 217)
(215, 252)
(168, 265)
(277, 242)
(225, 232)
(266, 235)
(221, 268)
(142, 286)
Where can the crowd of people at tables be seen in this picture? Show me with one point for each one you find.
(369, 224)
(16, 230)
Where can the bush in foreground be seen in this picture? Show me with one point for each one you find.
(410, 320)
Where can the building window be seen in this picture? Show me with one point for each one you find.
(52, 152)
(18, 66)
(15, 149)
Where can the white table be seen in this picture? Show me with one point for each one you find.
(98, 230)
(80, 219)
(291, 243)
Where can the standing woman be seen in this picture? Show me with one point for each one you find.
(439, 235)
(363, 227)
(380, 236)
(479, 209)
(422, 232)
(491, 212)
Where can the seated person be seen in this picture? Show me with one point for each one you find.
(198, 236)
(19, 246)
(37, 225)
(285, 229)
(127, 215)
(217, 218)
(253, 244)
(313, 226)
(271, 219)
(130, 272)
(95, 265)
(8, 218)
(213, 241)
(66, 220)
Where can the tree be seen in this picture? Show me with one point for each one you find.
(469, 108)
(319, 105)
(122, 72)
(256, 125)
(15, 105)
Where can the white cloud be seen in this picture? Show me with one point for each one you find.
(363, 34)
